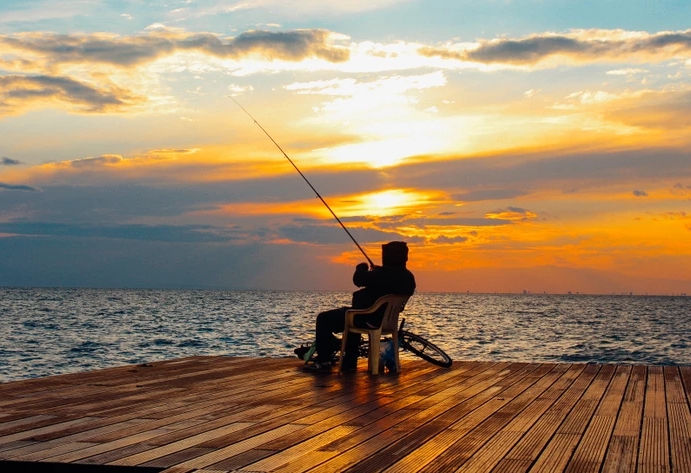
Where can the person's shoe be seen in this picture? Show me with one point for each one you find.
(319, 366)
(305, 352)
(349, 364)
(302, 350)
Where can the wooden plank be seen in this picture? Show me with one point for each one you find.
(370, 424)
(241, 414)
(622, 451)
(566, 396)
(174, 447)
(561, 447)
(590, 453)
(42, 430)
(77, 437)
(428, 423)
(373, 440)
(468, 436)
(236, 449)
(653, 455)
(83, 454)
(679, 420)
(525, 409)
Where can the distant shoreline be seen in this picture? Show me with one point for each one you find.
(220, 289)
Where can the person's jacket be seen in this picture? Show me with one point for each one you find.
(380, 281)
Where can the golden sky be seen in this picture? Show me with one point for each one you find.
(546, 154)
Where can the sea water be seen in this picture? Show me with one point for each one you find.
(54, 331)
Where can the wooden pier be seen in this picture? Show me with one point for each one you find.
(223, 414)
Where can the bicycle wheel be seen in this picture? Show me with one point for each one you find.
(426, 350)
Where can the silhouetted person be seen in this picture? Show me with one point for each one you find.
(392, 277)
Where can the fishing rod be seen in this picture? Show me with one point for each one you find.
(308, 182)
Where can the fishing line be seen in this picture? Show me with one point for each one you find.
(308, 182)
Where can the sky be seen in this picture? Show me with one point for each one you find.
(516, 145)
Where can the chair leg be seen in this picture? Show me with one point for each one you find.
(343, 347)
(394, 337)
(374, 339)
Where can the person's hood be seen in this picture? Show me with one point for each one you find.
(394, 253)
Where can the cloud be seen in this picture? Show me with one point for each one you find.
(626, 72)
(666, 110)
(512, 170)
(444, 240)
(9, 162)
(18, 92)
(95, 162)
(334, 234)
(167, 233)
(99, 262)
(638, 193)
(681, 189)
(351, 86)
(488, 194)
(575, 46)
(20, 187)
(512, 214)
(427, 222)
(103, 72)
(128, 51)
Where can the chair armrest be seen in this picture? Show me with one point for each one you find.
(351, 313)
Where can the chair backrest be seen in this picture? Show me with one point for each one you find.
(394, 306)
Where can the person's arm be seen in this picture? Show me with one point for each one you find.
(411, 284)
(363, 276)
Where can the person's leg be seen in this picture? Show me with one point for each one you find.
(328, 323)
(352, 351)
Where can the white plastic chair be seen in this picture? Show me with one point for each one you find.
(389, 326)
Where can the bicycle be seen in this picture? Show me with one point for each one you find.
(422, 348)
(407, 341)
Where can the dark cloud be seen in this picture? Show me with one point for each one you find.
(681, 189)
(517, 210)
(167, 233)
(512, 214)
(546, 171)
(15, 187)
(113, 202)
(116, 201)
(132, 50)
(334, 234)
(535, 48)
(9, 162)
(444, 240)
(488, 194)
(423, 222)
(16, 91)
(96, 262)
(638, 193)
(95, 162)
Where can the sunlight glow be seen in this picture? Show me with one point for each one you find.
(380, 154)
(384, 203)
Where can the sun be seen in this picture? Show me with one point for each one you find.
(384, 203)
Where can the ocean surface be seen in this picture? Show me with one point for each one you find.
(53, 331)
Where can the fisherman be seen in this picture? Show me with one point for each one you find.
(391, 278)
